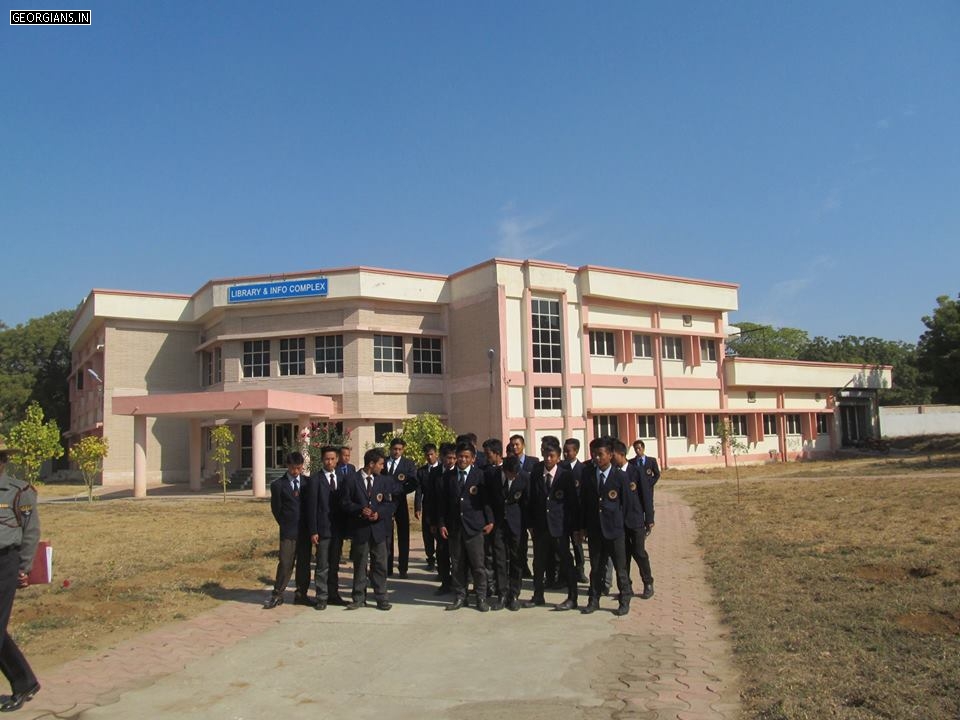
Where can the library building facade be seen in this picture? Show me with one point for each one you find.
(504, 347)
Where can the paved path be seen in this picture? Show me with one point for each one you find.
(668, 659)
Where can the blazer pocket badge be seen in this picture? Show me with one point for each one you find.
(633, 486)
(516, 496)
(558, 495)
(379, 497)
(401, 477)
(650, 472)
(473, 489)
(612, 494)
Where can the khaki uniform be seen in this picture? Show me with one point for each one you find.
(19, 535)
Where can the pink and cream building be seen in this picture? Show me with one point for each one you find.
(503, 347)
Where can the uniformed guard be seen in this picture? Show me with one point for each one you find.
(19, 535)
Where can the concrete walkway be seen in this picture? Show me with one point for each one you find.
(668, 659)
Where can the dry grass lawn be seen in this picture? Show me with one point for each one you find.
(133, 565)
(841, 583)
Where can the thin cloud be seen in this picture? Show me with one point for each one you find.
(527, 236)
(789, 288)
(883, 124)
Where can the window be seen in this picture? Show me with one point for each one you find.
(601, 343)
(545, 324)
(646, 426)
(328, 354)
(641, 346)
(738, 425)
(769, 424)
(293, 356)
(256, 358)
(388, 354)
(708, 349)
(823, 423)
(711, 425)
(676, 426)
(380, 431)
(605, 425)
(547, 398)
(426, 356)
(278, 441)
(672, 348)
(213, 367)
(80, 373)
(793, 424)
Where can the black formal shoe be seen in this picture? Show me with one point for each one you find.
(273, 602)
(496, 604)
(16, 701)
(304, 600)
(403, 574)
(568, 604)
(591, 607)
(623, 608)
(647, 591)
(383, 605)
(483, 605)
(535, 601)
(430, 564)
(513, 605)
(321, 605)
(456, 604)
(356, 604)
(583, 579)
(336, 600)
(442, 590)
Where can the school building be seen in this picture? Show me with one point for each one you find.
(503, 347)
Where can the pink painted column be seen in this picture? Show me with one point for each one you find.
(304, 422)
(259, 428)
(196, 447)
(139, 456)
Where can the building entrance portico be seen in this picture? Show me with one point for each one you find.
(250, 407)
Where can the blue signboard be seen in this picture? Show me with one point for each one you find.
(279, 290)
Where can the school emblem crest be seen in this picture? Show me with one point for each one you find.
(401, 477)
(379, 497)
(633, 486)
(650, 472)
(558, 495)
(473, 489)
(516, 496)
(612, 494)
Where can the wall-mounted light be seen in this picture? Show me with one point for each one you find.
(93, 374)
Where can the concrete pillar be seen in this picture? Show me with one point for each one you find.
(140, 456)
(259, 453)
(196, 450)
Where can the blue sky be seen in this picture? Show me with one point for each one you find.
(807, 151)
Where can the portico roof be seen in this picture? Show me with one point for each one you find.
(228, 405)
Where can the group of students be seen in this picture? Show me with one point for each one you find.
(479, 511)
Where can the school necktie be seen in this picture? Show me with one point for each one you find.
(296, 485)
(332, 477)
(369, 487)
(463, 479)
(603, 477)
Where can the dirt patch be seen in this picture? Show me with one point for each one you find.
(881, 573)
(931, 623)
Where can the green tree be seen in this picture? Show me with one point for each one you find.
(88, 454)
(939, 349)
(222, 438)
(36, 442)
(909, 385)
(729, 443)
(35, 367)
(765, 341)
(321, 435)
(419, 430)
